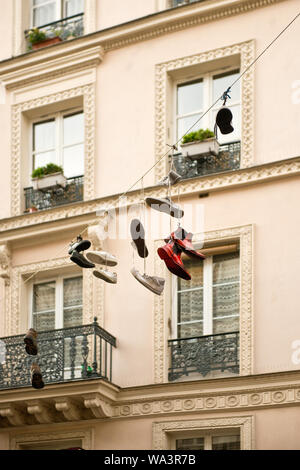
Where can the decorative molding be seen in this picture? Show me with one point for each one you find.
(161, 353)
(47, 437)
(5, 262)
(13, 415)
(40, 411)
(246, 52)
(99, 407)
(88, 92)
(161, 432)
(68, 408)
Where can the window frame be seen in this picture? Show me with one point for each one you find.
(208, 315)
(207, 435)
(58, 118)
(59, 298)
(60, 11)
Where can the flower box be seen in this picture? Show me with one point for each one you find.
(47, 181)
(199, 148)
(46, 42)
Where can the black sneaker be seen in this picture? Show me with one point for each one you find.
(80, 260)
(223, 120)
(79, 245)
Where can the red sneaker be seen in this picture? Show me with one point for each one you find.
(171, 255)
(183, 240)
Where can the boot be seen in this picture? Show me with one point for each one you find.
(36, 377)
(30, 340)
(171, 254)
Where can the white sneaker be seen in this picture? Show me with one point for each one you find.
(153, 283)
(107, 276)
(165, 205)
(101, 257)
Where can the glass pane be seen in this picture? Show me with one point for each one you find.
(189, 98)
(190, 444)
(44, 321)
(41, 159)
(226, 300)
(236, 124)
(74, 161)
(226, 442)
(184, 124)
(226, 325)
(74, 7)
(226, 268)
(195, 268)
(44, 297)
(190, 329)
(72, 292)
(74, 129)
(190, 306)
(72, 317)
(44, 136)
(222, 82)
(44, 14)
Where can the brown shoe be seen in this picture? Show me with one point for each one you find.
(36, 377)
(31, 343)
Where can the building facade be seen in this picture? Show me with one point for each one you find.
(101, 88)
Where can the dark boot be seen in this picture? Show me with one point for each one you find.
(223, 120)
(36, 377)
(80, 260)
(31, 342)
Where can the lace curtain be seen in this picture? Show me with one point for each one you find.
(44, 306)
(72, 302)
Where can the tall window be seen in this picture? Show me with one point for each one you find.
(57, 304)
(48, 11)
(209, 303)
(211, 442)
(195, 97)
(60, 140)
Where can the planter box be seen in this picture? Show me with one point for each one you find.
(49, 180)
(198, 149)
(46, 42)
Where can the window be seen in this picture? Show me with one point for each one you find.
(48, 11)
(195, 97)
(57, 304)
(209, 303)
(210, 442)
(60, 140)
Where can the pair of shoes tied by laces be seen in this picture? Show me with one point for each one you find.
(103, 257)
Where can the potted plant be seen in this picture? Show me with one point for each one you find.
(199, 143)
(38, 38)
(49, 175)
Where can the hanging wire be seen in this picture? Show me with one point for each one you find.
(174, 146)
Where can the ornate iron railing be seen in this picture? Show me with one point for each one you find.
(53, 196)
(66, 28)
(227, 159)
(204, 354)
(77, 353)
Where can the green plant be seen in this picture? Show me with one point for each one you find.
(200, 135)
(35, 36)
(46, 170)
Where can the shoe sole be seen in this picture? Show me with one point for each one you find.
(172, 266)
(82, 264)
(104, 278)
(98, 259)
(140, 241)
(158, 292)
(37, 381)
(30, 347)
(164, 207)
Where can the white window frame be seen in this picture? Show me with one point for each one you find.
(60, 11)
(207, 298)
(208, 436)
(207, 122)
(59, 298)
(59, 135)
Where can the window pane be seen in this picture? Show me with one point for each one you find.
(41, 159)
(44, 14)
(226, 268)
(44, 301)
(226, 442)
(195, 268)
(226, 300)
(72, 298)
(44, 321)
(73, 317)
(74, 7)
(74, 161)
(222, 82)
(190, 306)
(184, 125)
(190, 329)
(226, 325)
(189, 98)
(190, 444)
(44, 136)
(74, 129)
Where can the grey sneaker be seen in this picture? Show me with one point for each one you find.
(165, 205)
(170, 179)
(106, 276)
(101, 257)
(153, 283)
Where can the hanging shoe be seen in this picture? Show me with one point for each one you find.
(138, 236)
(79, 245)
(36, 377)
(106, 276)
(223, 120)
(31, 342)
(165, 205)
(171, 179)
(171, 255)
(102, 257)
(183, 239)
(153, 283)
(80, 260)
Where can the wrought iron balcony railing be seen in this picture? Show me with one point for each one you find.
(41, 199)
(66, 28)
(77, 353)
(227, 159)
(204, 354)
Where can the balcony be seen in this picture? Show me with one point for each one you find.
(228, 159)
(204, 354)
(64, 29)
(77, 353)
(53, 196)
